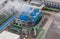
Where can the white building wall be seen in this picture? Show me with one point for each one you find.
(39, 1)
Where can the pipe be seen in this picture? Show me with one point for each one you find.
(8, 22)
(4, 19)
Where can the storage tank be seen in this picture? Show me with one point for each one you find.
(30, 15)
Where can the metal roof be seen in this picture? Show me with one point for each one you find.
(54, 0)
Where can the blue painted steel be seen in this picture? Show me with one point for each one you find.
(24, 17)
(32, 16)
(36, 16)
(36, 10)
(8, 22)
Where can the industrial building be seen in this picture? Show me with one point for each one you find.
(53, 3)
(48, 3)
(29, 19)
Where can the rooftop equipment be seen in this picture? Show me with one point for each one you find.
(30, 15)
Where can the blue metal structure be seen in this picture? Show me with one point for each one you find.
(6, 23)
(31, 15)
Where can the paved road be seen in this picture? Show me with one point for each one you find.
(54, 30)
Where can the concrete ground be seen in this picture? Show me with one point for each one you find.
(54, 30)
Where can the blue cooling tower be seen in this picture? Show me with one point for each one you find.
(31, 15)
